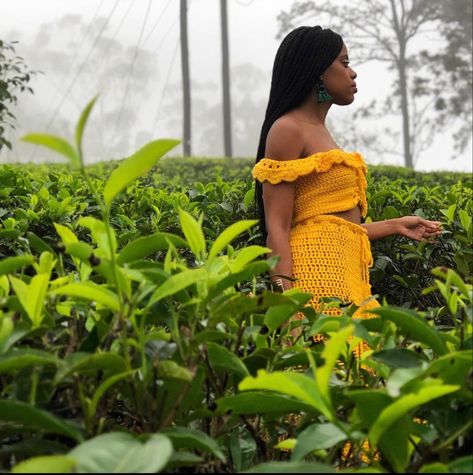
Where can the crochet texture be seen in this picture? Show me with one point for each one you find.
(331, 256)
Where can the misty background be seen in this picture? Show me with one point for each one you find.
(128, 51)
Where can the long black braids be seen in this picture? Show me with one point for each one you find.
(304, 54)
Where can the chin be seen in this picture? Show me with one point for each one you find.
(345, 101)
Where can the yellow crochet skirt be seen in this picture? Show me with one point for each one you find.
(331, 257)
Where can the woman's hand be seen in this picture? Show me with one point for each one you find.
(420, 229)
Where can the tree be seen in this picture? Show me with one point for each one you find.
(97, 62)
(383, 30)
(186, 85)
(14, 78)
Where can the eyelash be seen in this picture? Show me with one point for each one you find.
(347, 62)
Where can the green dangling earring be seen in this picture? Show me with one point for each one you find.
(322, 94)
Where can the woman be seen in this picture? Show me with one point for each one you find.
(311, 195)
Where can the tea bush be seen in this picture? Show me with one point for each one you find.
(139, 333)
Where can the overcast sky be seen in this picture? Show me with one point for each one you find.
(252, 28)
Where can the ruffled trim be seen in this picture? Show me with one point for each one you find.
(276, 171)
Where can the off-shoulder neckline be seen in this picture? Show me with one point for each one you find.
(315, 154)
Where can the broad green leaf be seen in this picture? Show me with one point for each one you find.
(259, 402)
(394, 445)
(291, 467)
(39, 244)
(66, 235)
(184, 438)
(82, 122)
(99, 234)
(32, 296)
(105, 386)
(413, 326)
(168, 369)
(295, 385)
(317, 436)
(80, 250)
(403, 405)
(223, 359)
(436, 467)
(120, 452)
(90, 364)
(12, 264)
(461, 465)
(330, 354)
(247, 255)
(229, 234)
(452, 368)
(136, 165)
(192, 230)
(178, 282)
(46, 464)
(144, 246)
(276, 315)
(31, 417)
(25, 358)
(399, 358)
(58, 144)
(90, 291)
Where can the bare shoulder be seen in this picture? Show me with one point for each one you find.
(285, 140)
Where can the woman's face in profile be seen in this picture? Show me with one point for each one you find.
(339, 79)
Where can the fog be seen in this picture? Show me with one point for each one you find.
(140, 90)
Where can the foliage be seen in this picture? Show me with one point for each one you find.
(14, 77)
(136, 337)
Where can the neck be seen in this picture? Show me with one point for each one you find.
(312, 111)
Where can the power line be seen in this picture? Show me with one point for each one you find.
(83, 64)
(130, 72)
(157, 22)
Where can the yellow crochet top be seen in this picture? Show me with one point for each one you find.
(326, 182)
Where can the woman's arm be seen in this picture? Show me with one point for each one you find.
(381, 229)
(413, 227)
(284, 142)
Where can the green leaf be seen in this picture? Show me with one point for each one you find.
(223, 359)
(317, 436)
(256, 402)
(90, 291)
(99, 233)
(66, 235)
(461, 465)
(11, 264)
(178, 282)
(192, 230)
(276, 315)
(295, 385)
(229, 234)
(90, 364)
(105, 386)
(413, 326)
(119, 452)
(32, 296)
(247, 255)
(25, 358)
(403, 405)
(330, 354)
(184, 438)
(81, 124)
(399, 358)
(58, 144)
(394, 445)
(452, 368)
(168, 369)
(435, 467)
(133, 167)
(33, 418)
(291, 467)
(46, 464)
(144, 246)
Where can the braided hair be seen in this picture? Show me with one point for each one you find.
(304, 54)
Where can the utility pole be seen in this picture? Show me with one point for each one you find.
(186, 89)
(227, 116)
